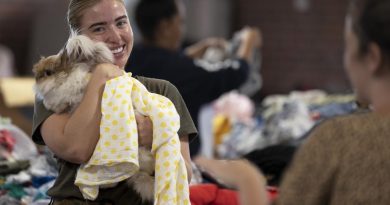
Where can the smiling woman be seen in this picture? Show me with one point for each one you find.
(106, 22)
(73, 137)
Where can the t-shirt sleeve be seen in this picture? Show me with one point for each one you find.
(187, 126)
(40, 115)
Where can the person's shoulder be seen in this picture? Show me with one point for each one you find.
(343, 127)
(156, 85)
(147, 81)
(356, 120)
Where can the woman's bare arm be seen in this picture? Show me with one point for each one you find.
(73, 137)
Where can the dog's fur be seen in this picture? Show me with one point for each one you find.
(61, 81)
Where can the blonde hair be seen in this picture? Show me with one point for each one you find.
(75, 12)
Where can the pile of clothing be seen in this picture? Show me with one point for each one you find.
(267, 135)
(25, 173)
(231, 131)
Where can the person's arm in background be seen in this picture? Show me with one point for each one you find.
(238, 174)
(219, 78)
(73, 137)
(251, 38)
(198, 49)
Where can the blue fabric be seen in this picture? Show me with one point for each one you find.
(333, 109)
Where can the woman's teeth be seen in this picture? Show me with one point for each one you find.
(118, 50)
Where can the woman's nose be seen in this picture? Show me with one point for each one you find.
(113, 36)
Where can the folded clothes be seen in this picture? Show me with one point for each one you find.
(12, 167)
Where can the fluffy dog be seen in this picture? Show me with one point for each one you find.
(61, 81)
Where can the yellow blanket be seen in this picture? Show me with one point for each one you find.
(116, 155)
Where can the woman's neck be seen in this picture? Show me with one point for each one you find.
(380, 97)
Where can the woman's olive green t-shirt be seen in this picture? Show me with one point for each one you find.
(64, 187)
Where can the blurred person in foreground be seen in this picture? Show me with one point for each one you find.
(345, 159)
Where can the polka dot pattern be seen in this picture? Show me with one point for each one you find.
(116, 155)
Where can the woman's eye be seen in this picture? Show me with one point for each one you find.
(98, 29)
(121, 23)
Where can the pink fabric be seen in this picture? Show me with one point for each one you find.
(235, 106)
(6, 140)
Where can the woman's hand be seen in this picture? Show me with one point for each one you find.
(73, 137)
(105, 71)
(145, 130)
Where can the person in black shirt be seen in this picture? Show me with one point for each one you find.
(161, 23)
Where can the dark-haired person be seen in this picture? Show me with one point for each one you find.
(161, 23)
(345, 160)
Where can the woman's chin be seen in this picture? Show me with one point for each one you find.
(121, 64)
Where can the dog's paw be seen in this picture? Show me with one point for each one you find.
(146, 160)
(143, 184)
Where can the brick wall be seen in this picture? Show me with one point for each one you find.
(301, 49)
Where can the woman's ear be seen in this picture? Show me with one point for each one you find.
(374, 59)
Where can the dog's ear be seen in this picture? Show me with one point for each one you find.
(79, 48)
(64, 58)
(46, 67)
(37, 67)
